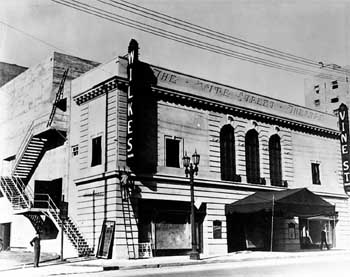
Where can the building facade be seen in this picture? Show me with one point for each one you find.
(132, 124)
(109, 151)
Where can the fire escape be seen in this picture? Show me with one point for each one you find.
(43, 134)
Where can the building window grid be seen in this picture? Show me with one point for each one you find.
(96, 153)
(275, 160)
(315, 171)
(227, 153)
(252, 157)
(217, 229)
(335, 100)
(172, 152)
(334, 84)
(75, 150)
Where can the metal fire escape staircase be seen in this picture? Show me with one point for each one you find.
(34, 206)
(41, 136)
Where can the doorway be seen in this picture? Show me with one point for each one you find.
(51, 188)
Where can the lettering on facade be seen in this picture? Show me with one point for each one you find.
(344, 144)
(132, 60)
(235, 96)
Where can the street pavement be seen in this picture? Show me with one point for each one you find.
(97, 267)
(322, 266)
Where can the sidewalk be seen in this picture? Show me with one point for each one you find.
(91, 265)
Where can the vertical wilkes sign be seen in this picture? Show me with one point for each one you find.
(130, 128)
(344, 144)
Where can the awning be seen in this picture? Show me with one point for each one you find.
(290, 202)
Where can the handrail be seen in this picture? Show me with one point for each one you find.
(5, 188)
(35, 123)
(53, 209)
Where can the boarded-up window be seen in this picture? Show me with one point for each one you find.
(217, 229)
(96, 153)
(252, 157)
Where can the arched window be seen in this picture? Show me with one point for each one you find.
(227, 153)
(252, 157)
(275, 160)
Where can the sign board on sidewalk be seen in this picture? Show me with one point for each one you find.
(105, 244)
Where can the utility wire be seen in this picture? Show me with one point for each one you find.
(31, 36)
(47, 43)
(198, 30)
(209, 33)
(179, 38)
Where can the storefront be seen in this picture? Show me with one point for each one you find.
(166, 225)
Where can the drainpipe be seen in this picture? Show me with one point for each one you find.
(106, 162)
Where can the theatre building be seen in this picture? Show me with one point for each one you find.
(269, 175)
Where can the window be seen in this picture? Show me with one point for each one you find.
(315, 170)
(172, 152)
(96, 156)
(227, 153)
(317, 89)
(275, 160)
(252, 157)
(334, 84)
(75, 150)
(317, 102)
(335, 100)
(217, 229)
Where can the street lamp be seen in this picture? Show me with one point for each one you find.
(191, 168)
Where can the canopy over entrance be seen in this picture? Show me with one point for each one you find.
(290, 202)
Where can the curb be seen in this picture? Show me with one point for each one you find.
(214, 261)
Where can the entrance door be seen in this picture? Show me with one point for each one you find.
(310, 231)
(52, 188)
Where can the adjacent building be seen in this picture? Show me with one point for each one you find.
(35, 112)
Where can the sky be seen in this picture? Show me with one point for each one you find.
(317, 30)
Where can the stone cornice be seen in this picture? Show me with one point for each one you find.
(200, 102)
(99, 89)
(179, 97)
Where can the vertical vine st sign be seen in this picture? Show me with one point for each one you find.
(344, 144)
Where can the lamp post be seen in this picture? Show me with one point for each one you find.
(191, 168)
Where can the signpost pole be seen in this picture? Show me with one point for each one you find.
(272, 215)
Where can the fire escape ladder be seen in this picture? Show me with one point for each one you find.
(58, 98)
(129, 232)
